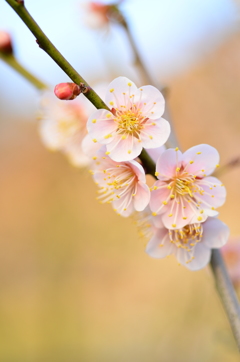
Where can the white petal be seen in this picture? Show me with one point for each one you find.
(215, 233)
(160, 238)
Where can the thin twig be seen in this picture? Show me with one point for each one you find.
(13, 63)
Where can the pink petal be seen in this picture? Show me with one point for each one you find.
(141, 200)
(151, 102)
(214, 196)
(215, 233)
(138, 170)
(119, 92)
(124, 149)
(159, 196)
(100, 126)
(167, 163)
(89, 147)
(156, 135)
(155, 153)
(202, 256)
(206, 160)
(157, 221)
(153, 247)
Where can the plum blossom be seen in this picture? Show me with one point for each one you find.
(185, 193)
(134, 121)
(191, 244)
(121, 183)
(63, 127)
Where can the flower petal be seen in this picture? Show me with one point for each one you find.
(151, 102)
(124, 149)
(142, 197)
(201, 257)
(167, 163)
(160, 238)
(215, 233)
(101, 125)
(89, 147)
(159, 197)
(155, 134)
(214, 192)
(119, 93)
(201, 160)
(155, 153)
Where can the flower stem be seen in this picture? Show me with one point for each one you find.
(12, 62)
(223, 282)
(227, 293)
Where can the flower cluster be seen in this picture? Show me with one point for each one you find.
(177, 214)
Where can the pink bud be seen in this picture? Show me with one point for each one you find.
(5, 42)
(67, 91)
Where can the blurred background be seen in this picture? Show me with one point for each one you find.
(75, 281)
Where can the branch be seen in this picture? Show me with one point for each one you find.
(227, 293)
(13, 63)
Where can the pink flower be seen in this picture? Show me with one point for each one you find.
(184, 193)
(121, 183)
(133, 123)
(191, 244)
(231, 255)
(63, 127)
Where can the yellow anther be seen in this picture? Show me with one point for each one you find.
(217, 165)
(170, 215)
(201, 212)
(199, 153)
(212, 195)
(129, 84)
(94, 140)
(129, 151)
(191, 162)
(156, 173)
(141, 89)
(123, 137)
(178, 169)
(199, 218)
(169, 187)
(213, 208)
(184, 217)
(164, 202)
(109, 115)
(153, 124)
(94, 158)
(111, 103)
(172, 196)
(107, 153)
(174, 225)
(94, 121)
(151, 137)
(176, 149)
(107, 136)
(154, 214)
(111, 90)
(154, 103)
(155, 187)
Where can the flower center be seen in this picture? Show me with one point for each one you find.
(119, 180)
(129, 123)
(184, 185)
(187, 237)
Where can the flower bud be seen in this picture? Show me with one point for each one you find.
(67, 91)
(5, 42)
